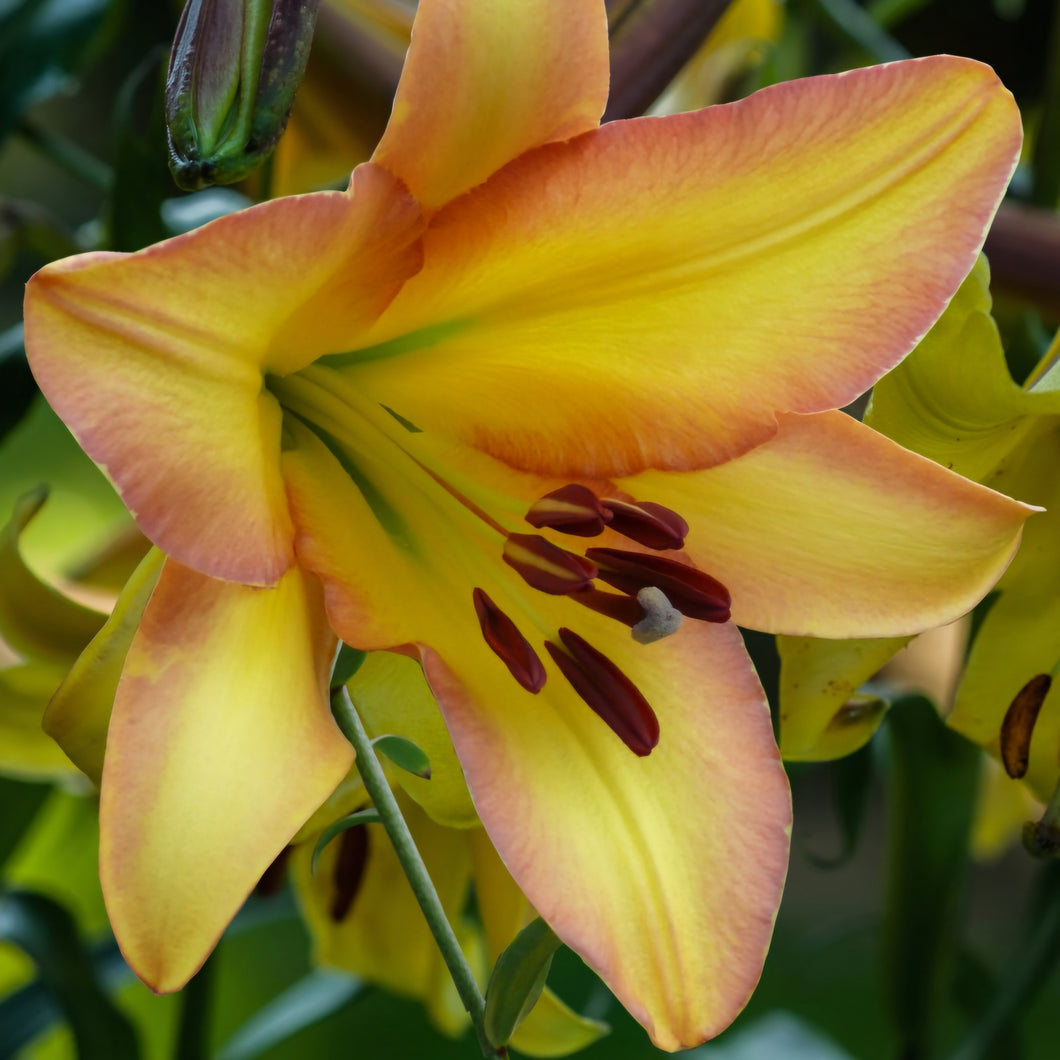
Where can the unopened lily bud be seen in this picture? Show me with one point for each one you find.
(233, 74)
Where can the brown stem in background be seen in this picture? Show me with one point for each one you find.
(651, 43)
(1024, 251)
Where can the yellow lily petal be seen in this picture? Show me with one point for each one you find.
(156, 363)
(1002, 807)
(36, 620)
(339, 114)
(392, 697)
(649, 294)
(862, 537)
(24, 748)
(378, 931)
(820, 716)
(606, 845)
(220, 745)
(1020, 636)
(663, 873)
(551, 1028)
(484, 82)
(78, 715)
(954, 399)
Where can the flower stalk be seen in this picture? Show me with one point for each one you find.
(375, 782)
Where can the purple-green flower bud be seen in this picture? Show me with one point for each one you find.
(233, 74)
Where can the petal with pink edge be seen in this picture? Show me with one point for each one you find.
(832, 530)
(221, 744)
(663, 872)
(155, 360)
(486, 81)
(649, 294)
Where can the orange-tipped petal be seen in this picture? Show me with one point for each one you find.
(607, 845)
(78, 714)
(649, 294)
(221, 744)
(155, 360)
(1020, 635)
(664, 873)
(382, 935)
(832, 530)
(486, 81)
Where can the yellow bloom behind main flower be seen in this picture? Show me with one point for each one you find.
(391, 415)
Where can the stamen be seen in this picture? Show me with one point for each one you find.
(1018, 726)
(349, 871)
(546, 566)
(508, 644)
(692, 592)
(572, 509)
(618, 606)
(660, 619)
(647, 523)
(608, 691)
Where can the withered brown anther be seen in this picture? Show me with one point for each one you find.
(1018, 726)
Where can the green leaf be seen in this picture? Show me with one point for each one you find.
(46, 932)
(404, 754)
(934, 775)
(518, 979)
(343, 824)
(43, 43)
(306, 1002)
(347, 663)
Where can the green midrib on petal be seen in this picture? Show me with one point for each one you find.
(421, 339)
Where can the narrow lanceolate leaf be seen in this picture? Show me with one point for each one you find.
(301, 1005)
(518, 979)
(343, 824)
(404, 754)
(347, 663)
(46, 932)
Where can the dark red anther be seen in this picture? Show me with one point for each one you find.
(692, 592)
(608, 691)
(647, 523)
(348, 872)
(508, 644)
(572, 509)
(546, 566)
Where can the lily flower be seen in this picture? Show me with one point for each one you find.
(954, 400)
(361, 912)
(394, 414)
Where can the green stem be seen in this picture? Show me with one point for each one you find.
(378, 788)
(68, 155)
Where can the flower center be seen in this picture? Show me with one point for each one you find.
(642, 588)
